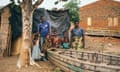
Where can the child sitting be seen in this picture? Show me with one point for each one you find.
(46, 45)
(66, 43)
(56, 40)
(48, 41)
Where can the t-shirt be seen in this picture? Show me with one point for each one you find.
(43, 28)
(66, 45)
(77, 32)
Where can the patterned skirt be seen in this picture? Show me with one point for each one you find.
(77, 42)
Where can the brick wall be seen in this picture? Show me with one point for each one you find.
(99, 12)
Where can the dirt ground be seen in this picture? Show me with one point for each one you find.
(8, 64)
(101, 44)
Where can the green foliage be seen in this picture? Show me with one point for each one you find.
(56, 2)
(13, 2)
(18, 1)
(73, 10)
(14, 6)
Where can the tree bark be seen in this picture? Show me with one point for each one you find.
(26, 38)
(27, 15)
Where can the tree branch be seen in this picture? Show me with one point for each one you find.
(22, 5)
(37, 4)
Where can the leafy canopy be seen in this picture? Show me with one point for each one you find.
(72, 5)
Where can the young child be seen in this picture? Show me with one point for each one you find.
(46, 45)
(36, 50)
(56, 40)
(48, 41)
(66, 43)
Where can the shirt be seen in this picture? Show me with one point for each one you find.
(77, 32)
(66, 45)
(43, 28)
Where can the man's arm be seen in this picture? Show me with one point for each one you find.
(38, 29)
(83, 38)
(71, 34)
(71, 38)
(49, 27)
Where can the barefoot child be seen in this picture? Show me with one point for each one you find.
(36, 50)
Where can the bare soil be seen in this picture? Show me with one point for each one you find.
(8, 64)
(103, 44)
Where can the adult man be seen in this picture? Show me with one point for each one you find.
(77, 36)
(43, 28)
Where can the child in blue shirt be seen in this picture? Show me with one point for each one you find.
(66, 43)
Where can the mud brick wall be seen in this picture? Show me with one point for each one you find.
(99, 12)
(5, 32)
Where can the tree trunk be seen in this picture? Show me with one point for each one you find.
(26, 33)
(27, 14)
(26, 39)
